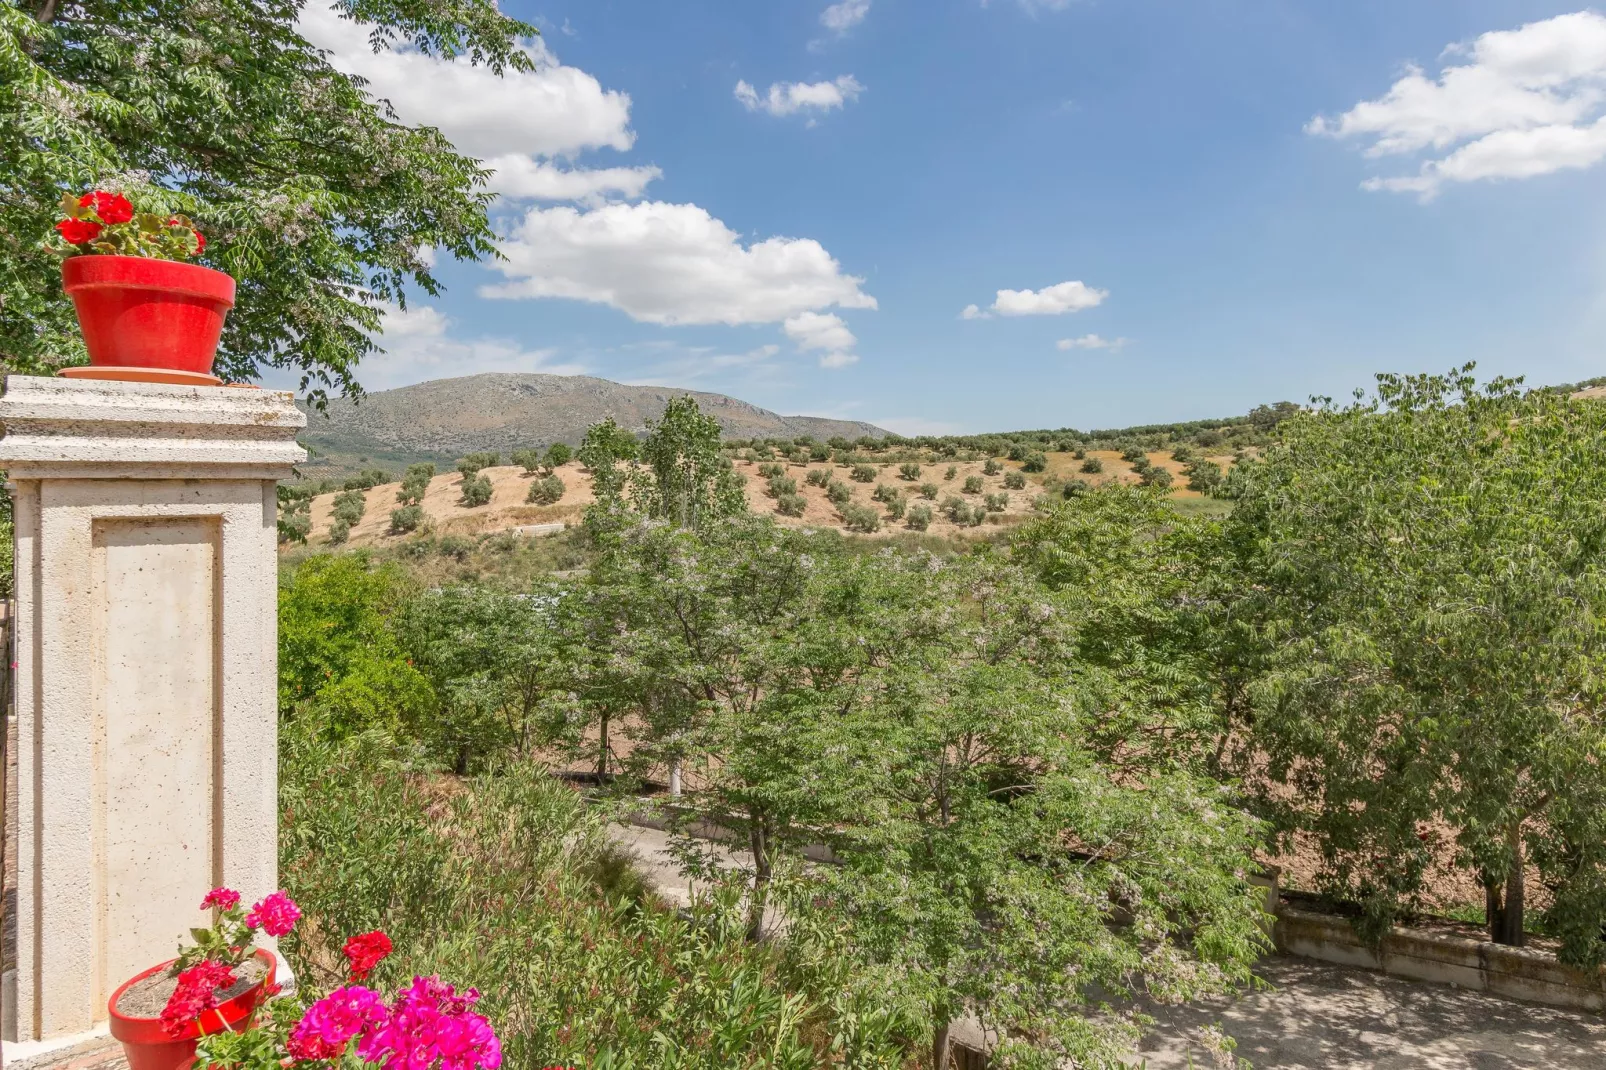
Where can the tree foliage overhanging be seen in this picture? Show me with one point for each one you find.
(313, 195)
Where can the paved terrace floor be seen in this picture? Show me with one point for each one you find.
(1319, 1016)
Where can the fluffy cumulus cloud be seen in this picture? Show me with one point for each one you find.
(842, 17)
(825, 332)
(1053, 300)
(1511, 104)
(418, 345)
(517, 121)
(1090, 341)
(791, 98)
(671, 264)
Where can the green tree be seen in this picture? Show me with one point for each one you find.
(1014, 481)
(863, 473)
(312, 195)
(558, 454)
(548, 490)
(1423, 570)
(680, 478)
(407, 518)
(1092, 466)
(529, 460)
(476, 490)
(1035, 461)
(909, 471)
(972, 485)
(928, 491)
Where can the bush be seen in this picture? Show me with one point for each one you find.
(1204, 476)
(548, 490)
(791, 504)
(558, 454)
(1014, 481)
(909, 471)
(953, 470)
(972, 485)
(953, 508)
(1157, 477)
(529, 460)
(367, 479)
(861, 518)
(1092, 466)
(1079, 453)
(349, 505)
(1075, 488)
(1142, 465)
(817, 477)
(882, 493)
(339, 531)
(863, 473)
(1036, 461)
(992, 467)
(997, 503)
(476, 491)
(295, 526)
(1134, 454)
(405, 519)
(455, 547)
(485, 459)
(928, 491)
(415, 484)
(770, 471)
(897, 504)
(919, 518)
(839, 493)
(1016, 452)
(781, 486)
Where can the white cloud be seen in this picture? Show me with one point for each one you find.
(670, 264)
(1053, 300)
(789, 98)
(842, 17)
(817, 330)
(418, 346)
(1090, 341)
(551, 111)
(523, 177)
(1525, 102)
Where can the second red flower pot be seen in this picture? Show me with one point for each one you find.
(148, 1046)
(140, 313)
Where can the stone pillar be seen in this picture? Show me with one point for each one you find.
(146, 650)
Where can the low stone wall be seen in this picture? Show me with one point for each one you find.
(1512, 972)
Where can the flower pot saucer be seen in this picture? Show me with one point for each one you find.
(142, 375)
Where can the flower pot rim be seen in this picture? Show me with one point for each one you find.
(105, 270)
(131, 1029)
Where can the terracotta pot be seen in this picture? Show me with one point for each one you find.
(141, 313)
(149, 1047)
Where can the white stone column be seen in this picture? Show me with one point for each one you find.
(146, 651)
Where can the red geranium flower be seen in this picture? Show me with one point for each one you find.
(78, 231)
(111, 207)
(366, 951)
(200, 243)
(222, 898)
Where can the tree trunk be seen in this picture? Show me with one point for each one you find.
(1510, 929)
(939, 1047)
(1494, 911)
(758, 839)
(674, 777)
(460, 766)
(602, 749)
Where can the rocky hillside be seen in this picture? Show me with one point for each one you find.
(442, 420)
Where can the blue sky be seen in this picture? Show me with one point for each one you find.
(1158, 211)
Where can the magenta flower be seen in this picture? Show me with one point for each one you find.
(275, 915)
(222, 898)
(431, 1024)
(329, 1024)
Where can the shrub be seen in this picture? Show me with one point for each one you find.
(1182, 454)
(992, 467)
(782, 486)
(455, 547)
(1209, 439)
(953, 507)
(476, 490)
(1157, 477)
(817, 477)
(997, 503)
(1092, 466)
(919, 518)
(1079, 453)
(548, 490)
(882, 493)
(558, 454)
(861, 518)
(953, 470)
(972, 485)
(486, 459)
(349, 505)
(909, 471)
(817, 452)
(407, 518)
(338, 532)
(1016, 452)
(863, 473)
(1133, 454)
(928, 491)
(367, 479)
(1204, 476)
(1014, 481)
(468, 468)
(897, 503)
(295, 526)
(1142, 465)
(839, 493)
(529, 460)
(791, 504)
(1036, 461)
(1075, 488)
(770, 471)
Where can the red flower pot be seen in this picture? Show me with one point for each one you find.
(148, 1046)
(140, 313)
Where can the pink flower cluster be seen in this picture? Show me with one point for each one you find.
(222, 898)
(428, 1027)
(275, 915)
(195, 995)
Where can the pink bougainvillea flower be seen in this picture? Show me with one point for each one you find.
(428, 1024)
(329, 1024)
(78, 231)
(222, 898)
(275, 915)
(110, 207)
(366, 951)
(195, 994)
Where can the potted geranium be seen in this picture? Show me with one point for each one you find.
(146, 312)
(215, 985)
